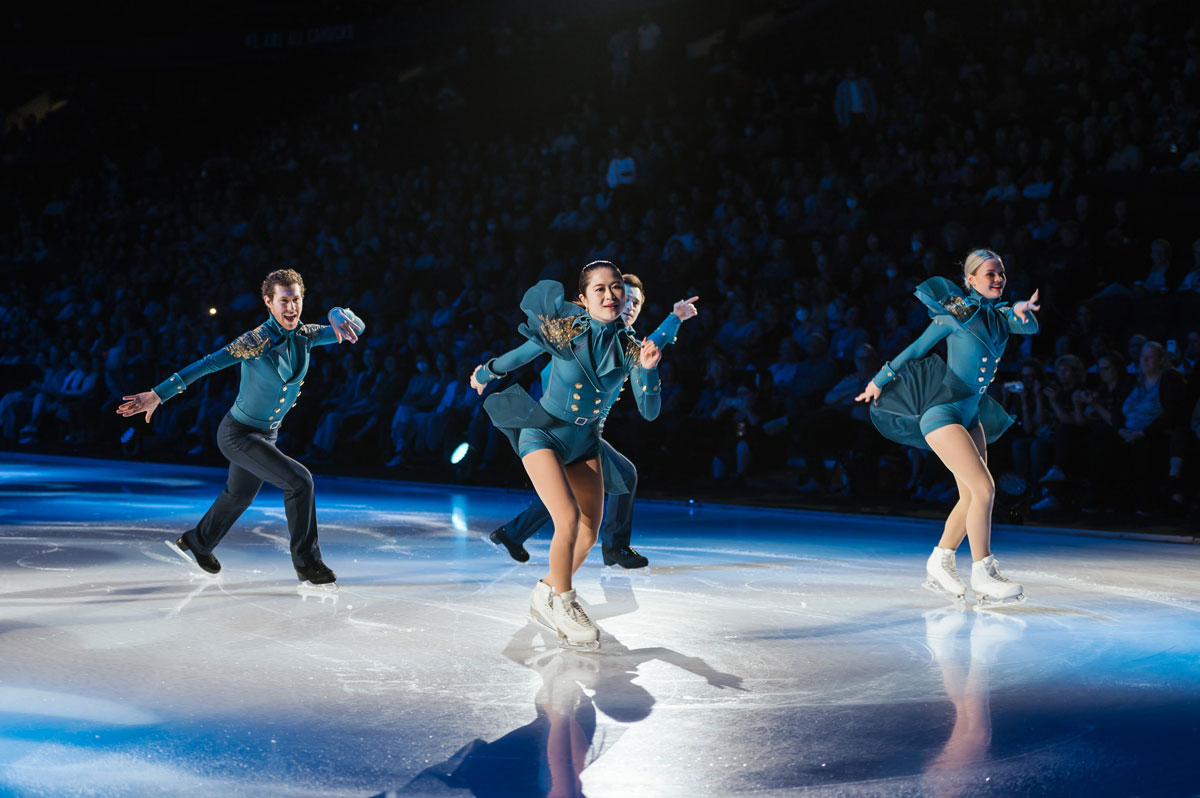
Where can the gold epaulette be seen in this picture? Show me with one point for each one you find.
(558, 331)
(251, 345)
(957, 307)
(310, 330)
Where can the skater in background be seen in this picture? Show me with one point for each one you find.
(943, 406)
(616, 533)
(274, 358)
(558, 438)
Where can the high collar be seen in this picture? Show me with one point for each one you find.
(973, 297)
(279, 328)
(606, 328)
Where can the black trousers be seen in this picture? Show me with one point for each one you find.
(253, 460)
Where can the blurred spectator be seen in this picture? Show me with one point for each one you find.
(1154, 414)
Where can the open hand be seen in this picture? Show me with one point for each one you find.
(343, 327)
(870, 393)
(1023, 307)
(146, 403)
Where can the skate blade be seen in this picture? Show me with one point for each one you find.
(934, 587)
(590, 646)
(986, 602)
(542, 622)
(308, 588)
(187, 558)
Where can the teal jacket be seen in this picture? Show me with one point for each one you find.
(590, 362)
(977, 328)
(666, 334)
(274, 362)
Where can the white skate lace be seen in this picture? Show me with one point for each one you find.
(995, 574)
(948, 566)
(575, 613)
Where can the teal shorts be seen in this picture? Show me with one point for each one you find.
(964, 412)
(571, 444)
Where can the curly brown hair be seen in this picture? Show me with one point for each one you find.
(284, 277)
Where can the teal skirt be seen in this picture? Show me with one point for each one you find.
(926, 395)
(529, 428)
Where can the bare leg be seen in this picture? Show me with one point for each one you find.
(956, 522)
(549, 479)
(965, 457)
(587, 483)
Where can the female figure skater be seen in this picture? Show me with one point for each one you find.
(592, 353)
(944, 407)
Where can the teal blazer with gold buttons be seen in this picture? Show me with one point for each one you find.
(582, 383)
(976, 330)
(274, 362)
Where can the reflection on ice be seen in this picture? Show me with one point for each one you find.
(966, 672)
(764, 652)
(583, 705)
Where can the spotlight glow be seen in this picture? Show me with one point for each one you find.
(212, 311)
(459, 453)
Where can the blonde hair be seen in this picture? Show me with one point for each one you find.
(975, 259)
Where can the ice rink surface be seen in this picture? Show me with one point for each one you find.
(762, 653)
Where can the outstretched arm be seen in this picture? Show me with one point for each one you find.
(1020, 316)
(935, 332)
(500, 366)
(146, 402)
(344, 325)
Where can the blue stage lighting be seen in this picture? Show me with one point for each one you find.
(459, 453)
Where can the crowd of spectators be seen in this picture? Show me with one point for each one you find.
(802, 202)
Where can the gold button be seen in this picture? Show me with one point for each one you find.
(285, 387)
(984, 360)
(270, 418)
(579, 385)
(277, 410)
(574, 407)
(983, 371)
(595, 412)
(597, 401)
(575, 396)
(981, 379)
(301, 382)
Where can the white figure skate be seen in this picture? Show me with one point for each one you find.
(541, 609)
(941, 575)
(575, 629)
(991, 587)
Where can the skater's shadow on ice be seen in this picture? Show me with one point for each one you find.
(546, 756)
(966, 676)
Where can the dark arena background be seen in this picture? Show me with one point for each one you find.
(801, 167)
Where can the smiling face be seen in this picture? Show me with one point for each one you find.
(285, 305)
(988, 279)
(604, 295)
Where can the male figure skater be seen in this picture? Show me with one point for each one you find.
(616, 532)
(274, 359)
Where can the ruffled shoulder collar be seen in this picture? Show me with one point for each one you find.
(550, 318)
(942, 297)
